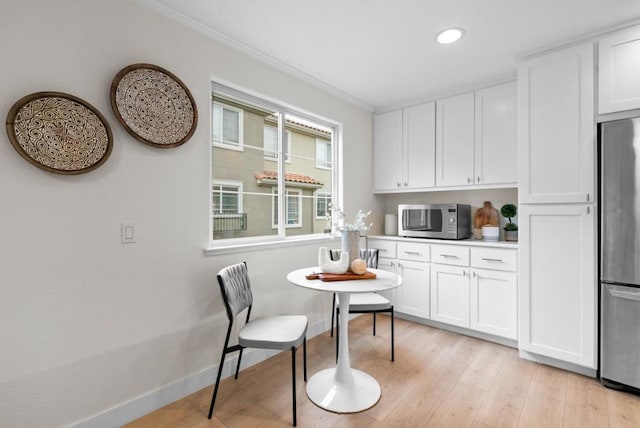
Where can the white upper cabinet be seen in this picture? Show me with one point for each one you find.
(556, 127)
(404, 149)
(420, 145)
(619, 68)
(496, 135)
(455, 140)
(388, 151)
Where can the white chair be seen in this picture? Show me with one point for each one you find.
(277, 332)
(363, 303)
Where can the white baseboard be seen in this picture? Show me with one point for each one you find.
(153, 400)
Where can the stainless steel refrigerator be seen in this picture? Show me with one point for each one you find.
(620, 253)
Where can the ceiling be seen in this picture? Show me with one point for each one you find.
(380, 53)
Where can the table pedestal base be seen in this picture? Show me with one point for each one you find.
(357, 396)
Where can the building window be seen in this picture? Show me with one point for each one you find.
(227, 124)
(271, 144)
(293, 208)
(226, 205)
(323, 201)
(267, 184)
(323, 154)
(227, 197)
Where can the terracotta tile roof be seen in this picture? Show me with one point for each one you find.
(289, 176)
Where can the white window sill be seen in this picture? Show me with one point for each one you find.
(268, 245)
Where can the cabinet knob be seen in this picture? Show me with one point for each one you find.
(468, 179)
(398, 184)
(478, 179)
(405, 184)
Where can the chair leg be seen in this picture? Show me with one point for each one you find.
(215, 389)
(374, 323)
(392, 338)
(304, 356)
(293, 377)
(333, 312)
(238, 366)
(337, 332)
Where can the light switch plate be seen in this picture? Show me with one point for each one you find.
(127, 233)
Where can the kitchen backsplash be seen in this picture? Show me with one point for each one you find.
(475, 198)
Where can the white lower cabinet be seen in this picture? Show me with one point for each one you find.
(412, 297)
(494, 300)
(450, 294)
(474, 287)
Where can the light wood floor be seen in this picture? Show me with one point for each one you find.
(439, 379)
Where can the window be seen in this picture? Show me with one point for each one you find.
(227, 207)
(264, 178)
(271, 144)
(293, 208)
(227, 126)
(227, 197)
(323, 154)
(323, 201)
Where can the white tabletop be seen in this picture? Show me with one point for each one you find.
(384, 281)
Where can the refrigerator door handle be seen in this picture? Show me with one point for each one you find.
(625, 295)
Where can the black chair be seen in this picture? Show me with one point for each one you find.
(277, 332)
(362, 303)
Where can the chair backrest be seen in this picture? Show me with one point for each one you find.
(369, 255)
(235, 288)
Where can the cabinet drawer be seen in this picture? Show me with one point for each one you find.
(450, 255)
(494, 258)
(413, 251)
(385, 248)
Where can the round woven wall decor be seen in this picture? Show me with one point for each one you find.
(59, 132)
(153, 105)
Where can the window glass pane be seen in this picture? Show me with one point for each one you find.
(231, 126)
(246, 170)
(305, 176)
(270, 142)
(217, 123)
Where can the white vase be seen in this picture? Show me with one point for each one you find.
(351, 244)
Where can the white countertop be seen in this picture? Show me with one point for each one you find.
(467, 242)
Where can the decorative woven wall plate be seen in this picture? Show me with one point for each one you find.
(59, 133)
(153, 105)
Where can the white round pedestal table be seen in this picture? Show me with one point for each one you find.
(343, 389)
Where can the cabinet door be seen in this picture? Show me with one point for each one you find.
(450, 294)
(619, 68)
(556, 127)
(493, 303)
(454, 140)
(388, 265)
(496, 135)
(557, 283)
(412, 297)
(387, 147)
(419, 133)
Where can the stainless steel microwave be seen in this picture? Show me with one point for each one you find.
(441, 221)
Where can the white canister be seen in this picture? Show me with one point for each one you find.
(490, 233)
(390, 224)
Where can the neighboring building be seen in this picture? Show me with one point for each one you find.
(244, 173)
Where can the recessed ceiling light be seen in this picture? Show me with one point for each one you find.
(449, 35)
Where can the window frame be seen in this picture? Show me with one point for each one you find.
(221, 143)
(233, 245)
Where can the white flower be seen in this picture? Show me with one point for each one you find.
(339, 221)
